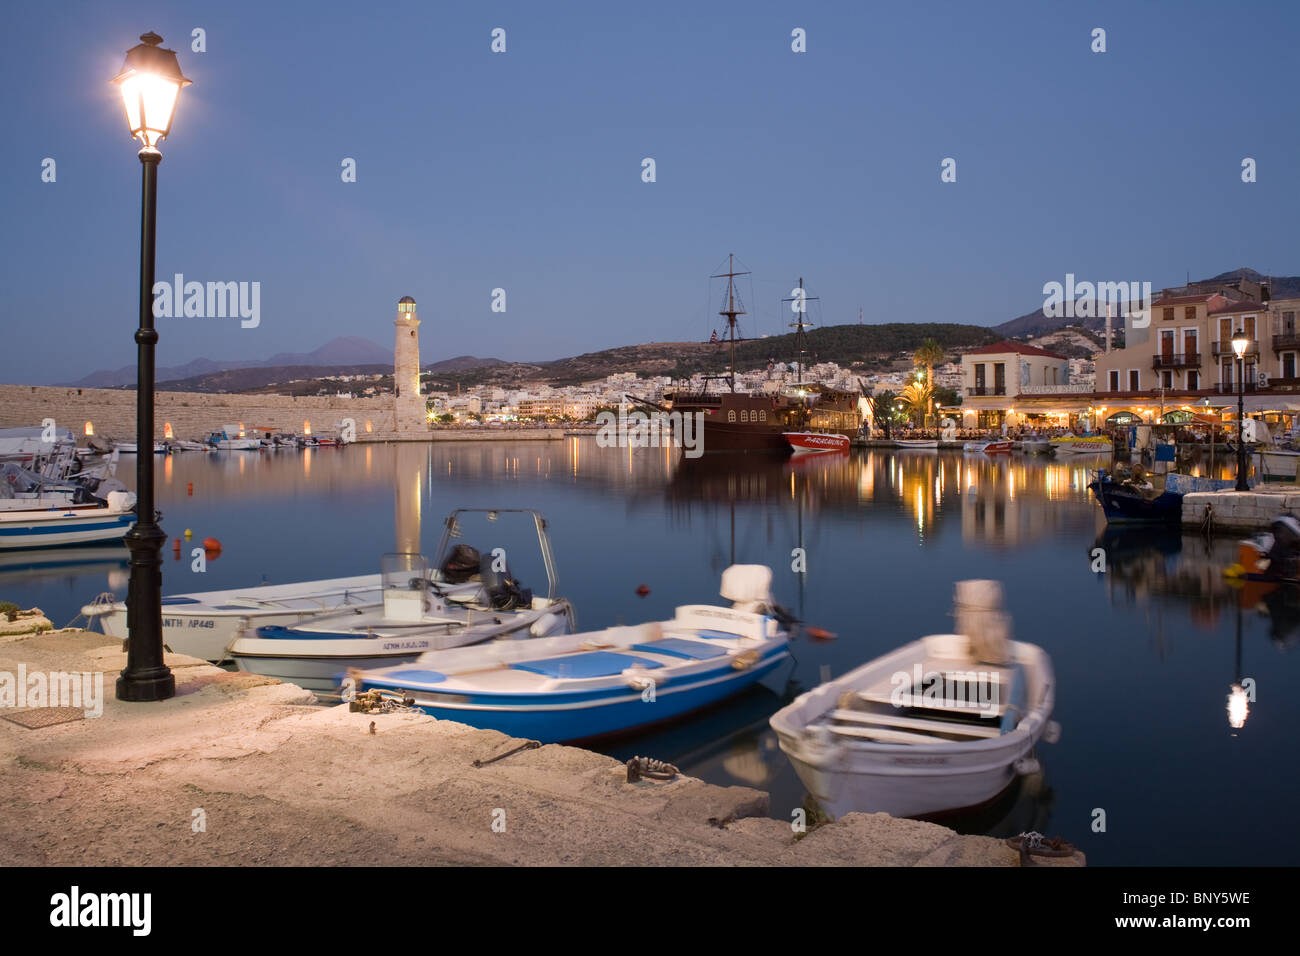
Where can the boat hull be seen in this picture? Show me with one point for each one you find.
(562, 718)
(811, 443)
(908, 780)
(47, 529)
(204, 625)
(1121, 505)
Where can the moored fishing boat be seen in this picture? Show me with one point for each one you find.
(917, 443)
(1131, 494)
(604, 682)
(803, 443)
(470, 599)
(1083, 445)
(944, 723)
(230, 439)
(988, 447)
(64, 525)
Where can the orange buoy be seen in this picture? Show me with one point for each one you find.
(189, 488)
(211, 548)
(818, 634)
(642, 590)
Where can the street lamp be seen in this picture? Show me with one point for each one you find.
(150, 82)
(1239, 345)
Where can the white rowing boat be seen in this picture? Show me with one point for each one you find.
(943, 723)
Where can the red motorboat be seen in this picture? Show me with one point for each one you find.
(808, 442)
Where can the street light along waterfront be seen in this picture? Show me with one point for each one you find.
(150, 82)
(1239, 346)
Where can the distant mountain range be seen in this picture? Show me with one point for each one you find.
(343, 351)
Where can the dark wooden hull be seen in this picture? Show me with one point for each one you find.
(739, 422)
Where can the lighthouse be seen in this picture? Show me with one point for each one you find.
(408, 412)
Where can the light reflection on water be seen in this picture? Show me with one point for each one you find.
(1145, 653)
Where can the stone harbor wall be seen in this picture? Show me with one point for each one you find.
(193, 415)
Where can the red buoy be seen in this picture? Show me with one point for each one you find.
(189, 488)
(642, 590)
(211, 548)
(818, 634)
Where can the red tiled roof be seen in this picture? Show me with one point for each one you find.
(1185, 299)
(1019, 348)
(1231, 306)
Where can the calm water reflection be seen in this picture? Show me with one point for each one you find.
(1145, 653)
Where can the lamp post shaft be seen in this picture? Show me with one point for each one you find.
(1241, 415)
(145, 676)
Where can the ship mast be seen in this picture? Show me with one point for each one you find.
(800, 339)
(731, 312)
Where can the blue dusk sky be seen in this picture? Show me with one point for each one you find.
(522, 170)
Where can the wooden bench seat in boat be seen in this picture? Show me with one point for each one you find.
(915, 723)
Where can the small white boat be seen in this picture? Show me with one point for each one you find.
(598, 683)
(183, 445)
(202, 624)
(229, 439)
(917, 442)
(944, 723)
(75, 524)
(804, 443)
(131, 448)
(1088, 445)
(417, 614)
(26, 444)
(1279, 464)
(988, 447)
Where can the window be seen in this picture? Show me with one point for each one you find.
(744, 415)
(762, 414)
(1288, 365)
(731, 415)
(1168, 313)
(979, 379)
(1114, 380)
(1189, 313)
(1193, 380)
(1134, 380)
(999, 378)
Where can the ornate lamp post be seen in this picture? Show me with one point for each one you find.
(1239, 345)
(150, 82)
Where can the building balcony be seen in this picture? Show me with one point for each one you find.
(1176, 360)
(979, 390)
(1288, 340)
(1230, 388)
(1225, 348)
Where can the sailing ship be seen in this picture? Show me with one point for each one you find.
(736, 421)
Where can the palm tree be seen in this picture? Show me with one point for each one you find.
(918, 399)
(882, 409)
(929, 354)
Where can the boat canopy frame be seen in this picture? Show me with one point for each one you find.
(451, 529)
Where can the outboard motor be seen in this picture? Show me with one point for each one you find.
(503, 591)
(1284, 556)
(461, 565)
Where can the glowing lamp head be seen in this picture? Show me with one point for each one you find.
(1238, 707)
(1240, 343)
(151, 83)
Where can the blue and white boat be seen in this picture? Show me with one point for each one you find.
(73, 524)
(598, 683)
(1150, 499)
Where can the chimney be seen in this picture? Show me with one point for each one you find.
(1264, 294)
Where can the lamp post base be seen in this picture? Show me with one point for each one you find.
(144, 686)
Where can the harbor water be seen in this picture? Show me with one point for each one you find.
(1146, 636)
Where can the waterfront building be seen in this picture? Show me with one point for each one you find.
(1182, 356)
(1014, 384)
